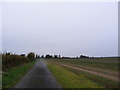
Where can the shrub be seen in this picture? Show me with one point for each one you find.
(10, 60)
(31, 56)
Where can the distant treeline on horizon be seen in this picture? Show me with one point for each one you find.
(48, 56)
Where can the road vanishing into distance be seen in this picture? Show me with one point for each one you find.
(38, 77)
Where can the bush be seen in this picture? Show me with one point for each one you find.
(31, 56)
(9, 61)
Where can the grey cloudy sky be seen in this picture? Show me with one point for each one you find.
(69, 29)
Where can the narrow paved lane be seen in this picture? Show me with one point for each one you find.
(38, 77)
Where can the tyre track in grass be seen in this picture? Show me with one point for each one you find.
(114, 78)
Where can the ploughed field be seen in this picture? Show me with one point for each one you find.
(101, 72)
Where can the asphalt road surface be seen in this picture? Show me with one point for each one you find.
(38, 77)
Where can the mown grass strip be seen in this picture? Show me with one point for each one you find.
(68, 79)
(12, 76)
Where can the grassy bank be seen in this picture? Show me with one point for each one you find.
(68, 79)
(13, 75)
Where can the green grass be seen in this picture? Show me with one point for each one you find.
(106, 83)
(104, 63)
(68, 79)
(11, 76)
(108, 64)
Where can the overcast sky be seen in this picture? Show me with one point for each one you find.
(68, 29)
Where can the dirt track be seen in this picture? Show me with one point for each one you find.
(114, 78)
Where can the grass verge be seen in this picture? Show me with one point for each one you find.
(11, 76)
(68, 79)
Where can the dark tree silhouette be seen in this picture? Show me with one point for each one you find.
(55, 56)
(48, 56)
(59, 56)
(8, 53)
(37, 56)
(83, 56)
(22, 55)
(42, 56)
(31, 56)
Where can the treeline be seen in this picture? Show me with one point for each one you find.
(59, 57)
(11, 60)
(50, 56)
